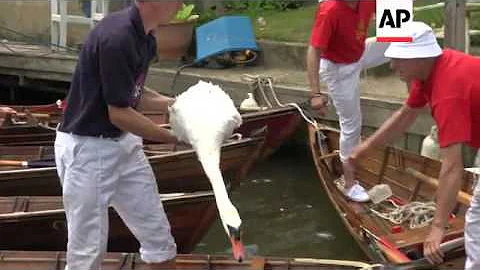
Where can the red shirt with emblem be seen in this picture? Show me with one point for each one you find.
(453, 93)
(340, 31)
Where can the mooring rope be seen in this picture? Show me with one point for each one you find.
(356, 264)
(259, 82)
(46, 126)
(419, 214)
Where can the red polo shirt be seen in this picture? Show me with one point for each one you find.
(453, 93)
(340, 31)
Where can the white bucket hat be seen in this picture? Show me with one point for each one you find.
(423, 45)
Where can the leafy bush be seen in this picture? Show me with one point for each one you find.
(186, 13)
(258, 5)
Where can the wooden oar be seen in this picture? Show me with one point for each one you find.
(462, 196)
(423, 263)
(40, 163)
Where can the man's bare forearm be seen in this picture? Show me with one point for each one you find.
(154, 101)
(313, 64)
(129, 120)
(450, 182)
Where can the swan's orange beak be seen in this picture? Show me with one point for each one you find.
(238, 249)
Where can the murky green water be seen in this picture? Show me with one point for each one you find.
(285, 212)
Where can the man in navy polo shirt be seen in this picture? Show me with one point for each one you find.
(98, 149)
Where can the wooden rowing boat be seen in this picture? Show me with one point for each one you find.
(131, 261)
(280, 123)
(408, 175)
(38, 223)
(176, 170)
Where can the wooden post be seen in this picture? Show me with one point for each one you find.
(455, 25)
(468, 17)
(54, 26)
(63, 7)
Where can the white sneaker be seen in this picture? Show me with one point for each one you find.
(355, 193)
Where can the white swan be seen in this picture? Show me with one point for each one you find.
(205, 117)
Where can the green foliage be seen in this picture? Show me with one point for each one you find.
(185, 13)
(262, 5)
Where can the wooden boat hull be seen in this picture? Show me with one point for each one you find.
(385, 165)
(38, 223)
(175, 171)
(114, 261)
(280, 123)
(26, 134)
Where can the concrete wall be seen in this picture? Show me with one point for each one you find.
(32, 18)
(28, 17)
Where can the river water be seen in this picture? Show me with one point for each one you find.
(285, 212)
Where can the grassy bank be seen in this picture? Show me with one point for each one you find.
(295, 25)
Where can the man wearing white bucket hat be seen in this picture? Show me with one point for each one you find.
(339, 50)
(448, 82)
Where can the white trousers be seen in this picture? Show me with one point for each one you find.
(472, 232)
(98, 172)
(343, 83)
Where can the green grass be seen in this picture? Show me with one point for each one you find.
(292, 25)
(295, 25)
(434, 18)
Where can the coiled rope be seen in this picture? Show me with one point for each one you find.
(419, 214)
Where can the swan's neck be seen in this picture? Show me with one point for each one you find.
(228, 213)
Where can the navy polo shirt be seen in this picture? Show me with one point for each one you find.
(111, 70)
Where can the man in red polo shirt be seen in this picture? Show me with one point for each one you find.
(339, 50)
(448, 82)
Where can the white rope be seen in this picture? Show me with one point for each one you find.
(419, 214)
(255, 82)
(259, 82)
(356, 264)
(45, 126)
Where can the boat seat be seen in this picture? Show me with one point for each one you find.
(415, 237)
(158, 149)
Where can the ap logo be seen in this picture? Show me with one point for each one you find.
(392, 18)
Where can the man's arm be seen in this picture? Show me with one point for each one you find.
(318, 101)
(400, 121)
(313, 65)
(116, 64)
(6, 110)
(154, 101)
(128, 119)
(450, 182)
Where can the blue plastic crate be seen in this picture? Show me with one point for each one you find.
(228, 33)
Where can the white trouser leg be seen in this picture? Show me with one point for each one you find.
(374, 54)
(472, 232)
(138, 203)
(343, 84)
(88, 171)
